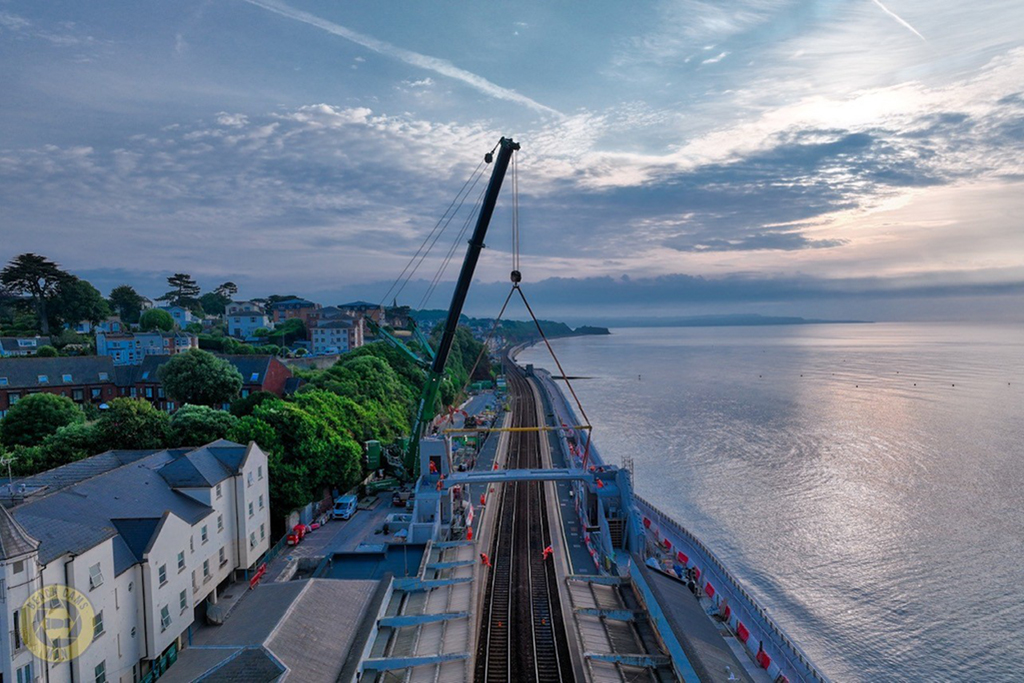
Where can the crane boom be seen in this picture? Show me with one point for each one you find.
(425, 410)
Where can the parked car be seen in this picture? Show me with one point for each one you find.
(402, 499)
(298, 532)
(344, 507)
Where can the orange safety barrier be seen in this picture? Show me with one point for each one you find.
(681, 556)
(763, 659)
(709, 589)
(742, 632)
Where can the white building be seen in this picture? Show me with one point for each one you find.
(147, 536)
(337, 336)
(243, 318)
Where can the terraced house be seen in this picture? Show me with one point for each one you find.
(149, 537)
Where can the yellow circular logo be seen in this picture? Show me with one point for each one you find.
(57, 623)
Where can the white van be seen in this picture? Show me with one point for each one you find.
(344, 507)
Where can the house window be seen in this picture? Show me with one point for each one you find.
(19, 566)
(14, 397)
(263, 533)
(25, 673)
(134, 392)
(222, 556)
(259, 471)
(250, 509)
(261, 501)
(204, 534)
(145, 375)
(220, 492)
(78, 394)
(101, 672)
(160, 392)
(104, 376)
(66, 378)
(163, 574)
(149, 392)
(95, 576)
(245, 393)
(183, 600)
(181, 561)
(191, 545)
(206, 570)
(97, 624)
(95, 393)
(252, 540)
(220, 522)
(254, 377)
(18, 643)
(249, 479)
(43, 379)
(3, 381)
(165, 618)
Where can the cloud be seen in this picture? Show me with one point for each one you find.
(716, 59)
(439, 66)
(898, 19)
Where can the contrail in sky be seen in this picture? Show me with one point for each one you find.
(439, 66)
(899, 19)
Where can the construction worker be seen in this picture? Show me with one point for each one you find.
(547, 553)
(484, 560)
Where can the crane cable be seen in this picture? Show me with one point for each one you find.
(420, 253)
(436, 280)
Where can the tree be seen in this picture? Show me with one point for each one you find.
(68, 444)
(227, 290)
(184, 292)
(37, 416)
(156, 319)
(76, 300)
(127, 303)
(47, 351)
(214, 303)
(130, 423)
(288, 331)
(201, 378)
(35, 276)
(241, 407)
(195, 425)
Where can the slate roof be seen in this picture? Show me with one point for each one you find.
(305, 303)
(247, 366)
(360, 305)
(251, 665)
(138, 534)
(118, 495)
(23, 373)
(14, 540)
(334, 324)
(309, 626)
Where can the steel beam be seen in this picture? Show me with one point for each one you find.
(450, 565)
(412, 585)
(641, 660)
(395, 663)
(613, 614)
(418, 619)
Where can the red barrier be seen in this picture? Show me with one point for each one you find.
(763, 659)
(257, 576)
(696, 573)
(742, 632)
(681, 556)
(709, 589)
(668, 544)
(727, 613)
(647, 523)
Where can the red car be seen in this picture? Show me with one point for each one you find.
(296, 535)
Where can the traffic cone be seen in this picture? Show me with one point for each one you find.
(469, 533)
(483, 501)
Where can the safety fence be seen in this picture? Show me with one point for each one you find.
(771, 647)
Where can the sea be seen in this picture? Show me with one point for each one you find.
(865, 482)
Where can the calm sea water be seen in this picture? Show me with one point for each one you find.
(866, 482)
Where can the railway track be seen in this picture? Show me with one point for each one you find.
(522, 633)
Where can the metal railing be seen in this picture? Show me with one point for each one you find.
(772, 631)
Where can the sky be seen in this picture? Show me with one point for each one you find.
(829, 159)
